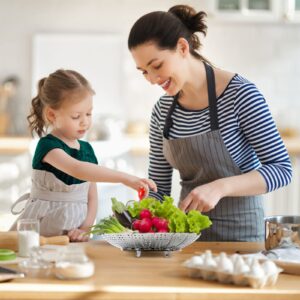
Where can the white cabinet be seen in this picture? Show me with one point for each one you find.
(291, 10)
(255, 10)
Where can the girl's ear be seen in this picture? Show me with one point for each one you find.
(183, 47)
(50, 115)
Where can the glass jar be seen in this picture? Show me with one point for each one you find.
(73, 263)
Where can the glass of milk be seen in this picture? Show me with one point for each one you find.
(28, 235)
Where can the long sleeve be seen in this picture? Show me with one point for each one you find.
(257, 124)
(159, 169)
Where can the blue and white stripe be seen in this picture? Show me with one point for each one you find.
(246, 126)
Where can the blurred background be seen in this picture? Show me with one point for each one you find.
(259, 39)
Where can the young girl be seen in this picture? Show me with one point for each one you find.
(63, 194)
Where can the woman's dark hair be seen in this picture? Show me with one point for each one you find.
(52, 91)
(165, 28)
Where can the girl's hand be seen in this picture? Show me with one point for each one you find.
(202, 198)
(137, 183)
(78, 235)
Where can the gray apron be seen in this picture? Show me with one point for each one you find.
(203, 158)
(59, 207)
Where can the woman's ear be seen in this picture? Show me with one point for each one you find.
(183, 47)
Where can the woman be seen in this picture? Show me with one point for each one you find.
(212, 125)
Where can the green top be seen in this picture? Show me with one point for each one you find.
(49, 142)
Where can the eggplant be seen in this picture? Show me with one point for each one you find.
(124, 218)
(121, 213)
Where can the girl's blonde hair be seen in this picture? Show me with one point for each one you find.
(52, 91)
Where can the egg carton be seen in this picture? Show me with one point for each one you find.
(233, 269)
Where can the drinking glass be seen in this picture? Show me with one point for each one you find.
(28, 235)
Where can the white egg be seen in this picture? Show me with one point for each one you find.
(256, 269)
(197, 260)
(224, 263)
(269, 267)
(208, 260)
(240, 267)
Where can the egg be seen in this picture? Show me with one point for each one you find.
(269, 267)
(224, 263)
(196, 261)
(208, 260)
(256, 270)
(240, 266)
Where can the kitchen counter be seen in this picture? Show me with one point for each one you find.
(121, 275)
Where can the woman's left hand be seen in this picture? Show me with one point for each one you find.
(202, 198)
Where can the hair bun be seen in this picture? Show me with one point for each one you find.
(190, 18)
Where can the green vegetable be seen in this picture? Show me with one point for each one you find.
(108, 225)
(117, 206)
(197, 221)
(178, 221)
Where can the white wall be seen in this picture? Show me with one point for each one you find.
(266, 53)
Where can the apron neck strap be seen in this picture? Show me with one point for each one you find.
(169, 121)
(212, 98)
(212, 103)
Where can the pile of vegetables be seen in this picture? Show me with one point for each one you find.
(151, 215)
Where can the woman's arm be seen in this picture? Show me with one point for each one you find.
(159, 168)
(78, 235)
(90, 172)
(205, 197)
(257, 124)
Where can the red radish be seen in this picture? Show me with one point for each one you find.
(163, 230)
(145, 225)
(155, 221)
(162, 224)
(136, 224)
(145, 213)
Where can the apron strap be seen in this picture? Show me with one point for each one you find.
(169, 121)
(212, 98)
(212, 102)
(25, 197)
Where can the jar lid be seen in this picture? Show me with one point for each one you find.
(7, 254)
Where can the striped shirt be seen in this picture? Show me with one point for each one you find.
(246, 126)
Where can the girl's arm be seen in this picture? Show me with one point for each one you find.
(92, 207)
(78, 235)
(90, 172)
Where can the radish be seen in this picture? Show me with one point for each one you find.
(162, 224)
(145, 225)
(136, 224)
(145, 213)
(155, 221)
(163, 230)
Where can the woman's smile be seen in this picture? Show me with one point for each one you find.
(166, 84)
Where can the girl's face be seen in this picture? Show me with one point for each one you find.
(74, 117)
(163, 67)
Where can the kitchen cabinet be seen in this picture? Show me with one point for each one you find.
(248, 10)
(255, 10)
(120, 275)
(291, 11)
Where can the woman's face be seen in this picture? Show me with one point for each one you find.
(162, 67)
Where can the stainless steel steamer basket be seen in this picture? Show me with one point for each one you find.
(282, 232)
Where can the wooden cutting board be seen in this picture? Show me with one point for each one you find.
(9, 240)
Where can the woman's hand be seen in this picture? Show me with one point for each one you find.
(137, 183)
(202, 198)
(78, 235)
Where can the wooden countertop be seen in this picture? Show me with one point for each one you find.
(121, 275)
